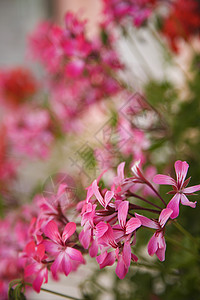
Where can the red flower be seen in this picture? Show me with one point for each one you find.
(17, 85)
(182, 22)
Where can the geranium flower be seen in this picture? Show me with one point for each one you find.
(59, 246)
(157, 243)
(179, 187)
(35, 255)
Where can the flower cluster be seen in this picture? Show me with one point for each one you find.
(136, 11)
(53, 239)
(25, 127)
(29, 131)
(77, 67)
(13, 238)
(110, 222)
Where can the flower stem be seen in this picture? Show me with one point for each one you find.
(145, 200)
(159, 196)
(138, 264)
(134, 206)
(54, 293)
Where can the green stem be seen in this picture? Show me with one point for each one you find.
(54, 293)
(138, 264)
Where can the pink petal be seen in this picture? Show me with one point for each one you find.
(147, 222)
(30, 248)
(136, 169)
(56, 266)
(164, 216)
(126, 254)
(122, 213)
(106, 259)
(66, 265)
(108, 237)
(38, 282)
(51, 231)
(75, 254)
(69, 229)
(85, 238)
(132, 225)
(101, 228)
(161, 254)
(51, 247)
(89, 194)
(40, 251)
(120, 171)
(31, 269)
(161, 247)
(93, 251)
(152, 245)
(108, 197)
(101, 257)
(191, 189)
(97, 194)
(164, 179)
(174, 205)
(181, 168)
(185, 201)
(120, 174)
(121, 269)
(45, 275)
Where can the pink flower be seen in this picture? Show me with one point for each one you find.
(35, 267)
(107, 239)
(137, 11)
(59, 246)
(179, 187)
(29, 131)
(157, 243)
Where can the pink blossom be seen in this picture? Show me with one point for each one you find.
(29, 131)
(157, 243)
(137, 11)
(106, 238)
(179, 187)
(81, 68)
(35, 268)
(66, 258)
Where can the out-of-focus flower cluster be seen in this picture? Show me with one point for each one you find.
(77, 67)
(14, 235)
(135, 11)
